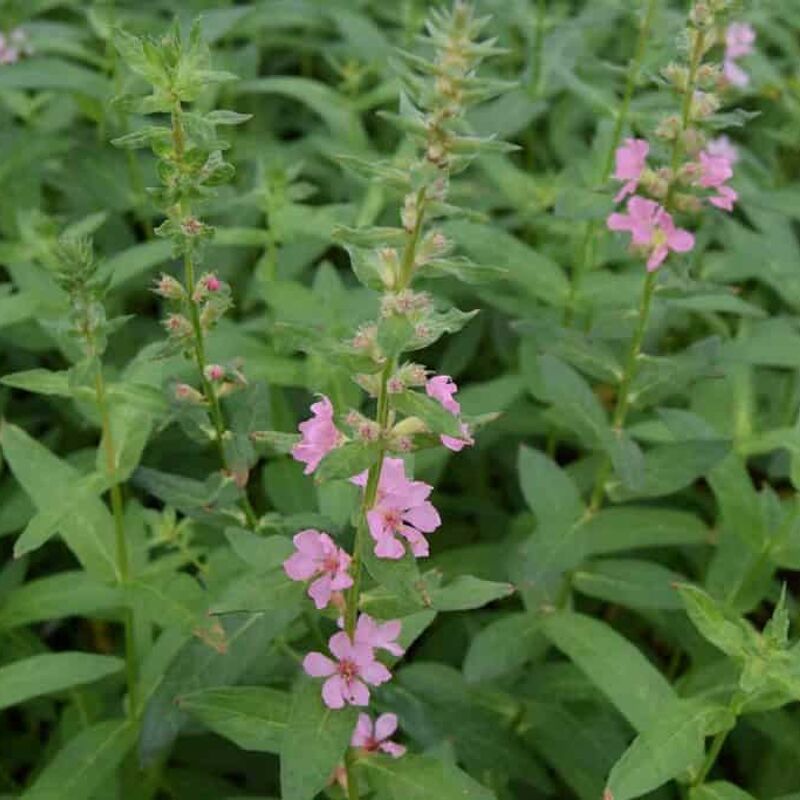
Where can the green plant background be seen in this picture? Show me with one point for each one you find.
(536, 695)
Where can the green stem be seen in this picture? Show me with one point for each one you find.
(629, 373)
(189, 279)
(410, 251)
(370, 495)
(711, 758)
(352, 783)
(123, 561)
(586, 259)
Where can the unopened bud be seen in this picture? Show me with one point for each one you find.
(365, 338)
(687, 203)
(178, 326)
(701, 15)
(192, 226)
(677, 75)
(669, 127)
(169, 288)
(188, 394)
(704, 104)
(388, 266)
(409, 213)
(214, 372)
(409, 426)
(395, 385)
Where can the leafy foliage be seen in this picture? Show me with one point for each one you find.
(216, 214)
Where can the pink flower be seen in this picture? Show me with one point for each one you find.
(317, 556)
(212, 283)
(371, 737)
(631, 162)
(349, 675)
(442, 388)
(320, 436)
(739, 38)
(401, 508)
(380, 636)
(652, 229)
(722, 147)
(714, 170)
(215, 372)
(725, 198)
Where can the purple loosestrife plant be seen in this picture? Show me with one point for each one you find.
(412, 408)
(190, 166)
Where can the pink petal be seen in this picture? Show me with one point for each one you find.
(657, 258)
(419, 544)
(385, 726)
(310, 542)
(618, 222)
(300, 567)
(320, 591)
(318, 666)
(681, 241)
(357, 693)
(425, 517)
(376, 673)
(388, 547)
(392, 749)
(341, 646)
(362, 735)
(334, 692)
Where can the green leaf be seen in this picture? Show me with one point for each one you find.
(49, 482)
(721, 790)
(256, 591)
(395, 334)
(40, 381)
(467, 592)
(252, 717)
(314, 743)
(40, 74)
(739, 507)
(668, 468)
(420, 778)
(502, 646)
(620, 671)
(548, 490)
(260, 553)
(65, 594)
(52, 672)
(196, 666)
(348, 460)
(629, 582)
(668, 749)
(83, 765)
(578, 203)
(435, 416)
(715, 624)
(636, 527)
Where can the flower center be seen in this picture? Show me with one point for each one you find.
(348, 669)
(392, 519)
(659, 238)
(331, 563)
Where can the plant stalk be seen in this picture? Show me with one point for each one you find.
(217, 416)
(586, 259)
(123, 560)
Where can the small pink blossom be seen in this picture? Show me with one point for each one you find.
(375, 737)
(212, 283)
(725, 198)
(713, 170)
(442, 388)
(652, 229)
(317, 556)
(348, 676)
(739, 39)
(320, 436)
(380, 636)
(401, 508)
(215, 372)
(631, 162)
(722, 147)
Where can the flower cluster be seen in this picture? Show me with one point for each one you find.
(14, 45)
(698, 170)
(413, 408)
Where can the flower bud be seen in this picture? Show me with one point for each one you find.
(409, 426)
(687, 203)
(388, 266)
(214, 372)
(677, 75)
(188, 394)
(669, 127)
(409, 214)
(701, 15)
(704, 104)
(192, 226)
(169, 288)
(178, 326)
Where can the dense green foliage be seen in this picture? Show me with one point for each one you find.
(609, 605)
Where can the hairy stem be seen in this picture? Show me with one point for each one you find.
(189, 277)
(123, 560)
(634, 351)
(368, 501)
(587, 250)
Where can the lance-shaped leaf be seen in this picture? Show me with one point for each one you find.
(435, 416)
